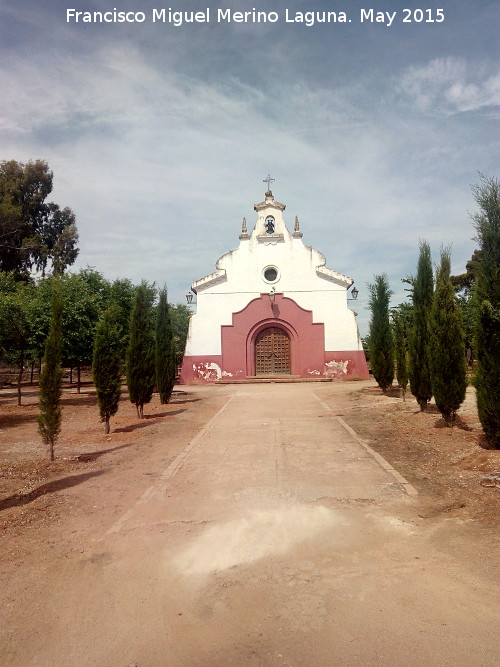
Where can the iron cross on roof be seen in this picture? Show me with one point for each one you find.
(268, 180)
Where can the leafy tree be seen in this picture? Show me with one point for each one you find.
(49, 419)
(33, 232)
(401, 324)
(41, 315)
(381, 341)
(463, 285)
(487, 307)
(107, 365)
(423, 288)
(165, 350)
(365, 342)
(121, 294)
(85, 294)
(8, 283)
(446, 345)
(140, 362)
(466, 306)
(16, 326)
(179, 316)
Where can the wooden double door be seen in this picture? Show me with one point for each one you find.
(272, 352)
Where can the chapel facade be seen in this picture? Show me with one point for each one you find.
(271, 309)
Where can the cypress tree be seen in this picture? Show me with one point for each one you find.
(419, 373)
(165, 350)
(487, 308)
(107, 365)
(446, 345)
(381, 341)
(400, 331)
(50, 417)
(140, 361)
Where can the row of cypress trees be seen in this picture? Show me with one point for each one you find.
(150, 357)
(427, 337)
(150, 360)
(430, 353)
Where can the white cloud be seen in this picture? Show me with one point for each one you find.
(450, 85)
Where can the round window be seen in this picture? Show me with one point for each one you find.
(271, 274)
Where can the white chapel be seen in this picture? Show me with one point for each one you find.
(272, 308)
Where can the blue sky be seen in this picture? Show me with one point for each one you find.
(159, 136)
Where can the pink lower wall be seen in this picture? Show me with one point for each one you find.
(201, 369)
(308, 355)
(346, 365)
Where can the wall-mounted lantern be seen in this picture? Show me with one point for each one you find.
(272, 294)
(354, 294)
(189, 298)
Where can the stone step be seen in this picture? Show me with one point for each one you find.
(256, 379)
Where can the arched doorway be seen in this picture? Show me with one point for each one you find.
(272, 352)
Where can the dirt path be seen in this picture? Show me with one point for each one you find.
(249, 528)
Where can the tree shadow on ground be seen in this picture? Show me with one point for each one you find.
(430, 410)
(92, 456)
(132, 427)
(12, 394)
(18, 500)
(394, 392)
(172, 413)
(484, 443)
(459, 423)
(72, 386)
(9, 421)
(146, 420)
(79, 399)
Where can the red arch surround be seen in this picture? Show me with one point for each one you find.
(307, 339)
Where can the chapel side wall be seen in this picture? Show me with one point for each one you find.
(341, 330)
(213, 311)
(200, 369)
